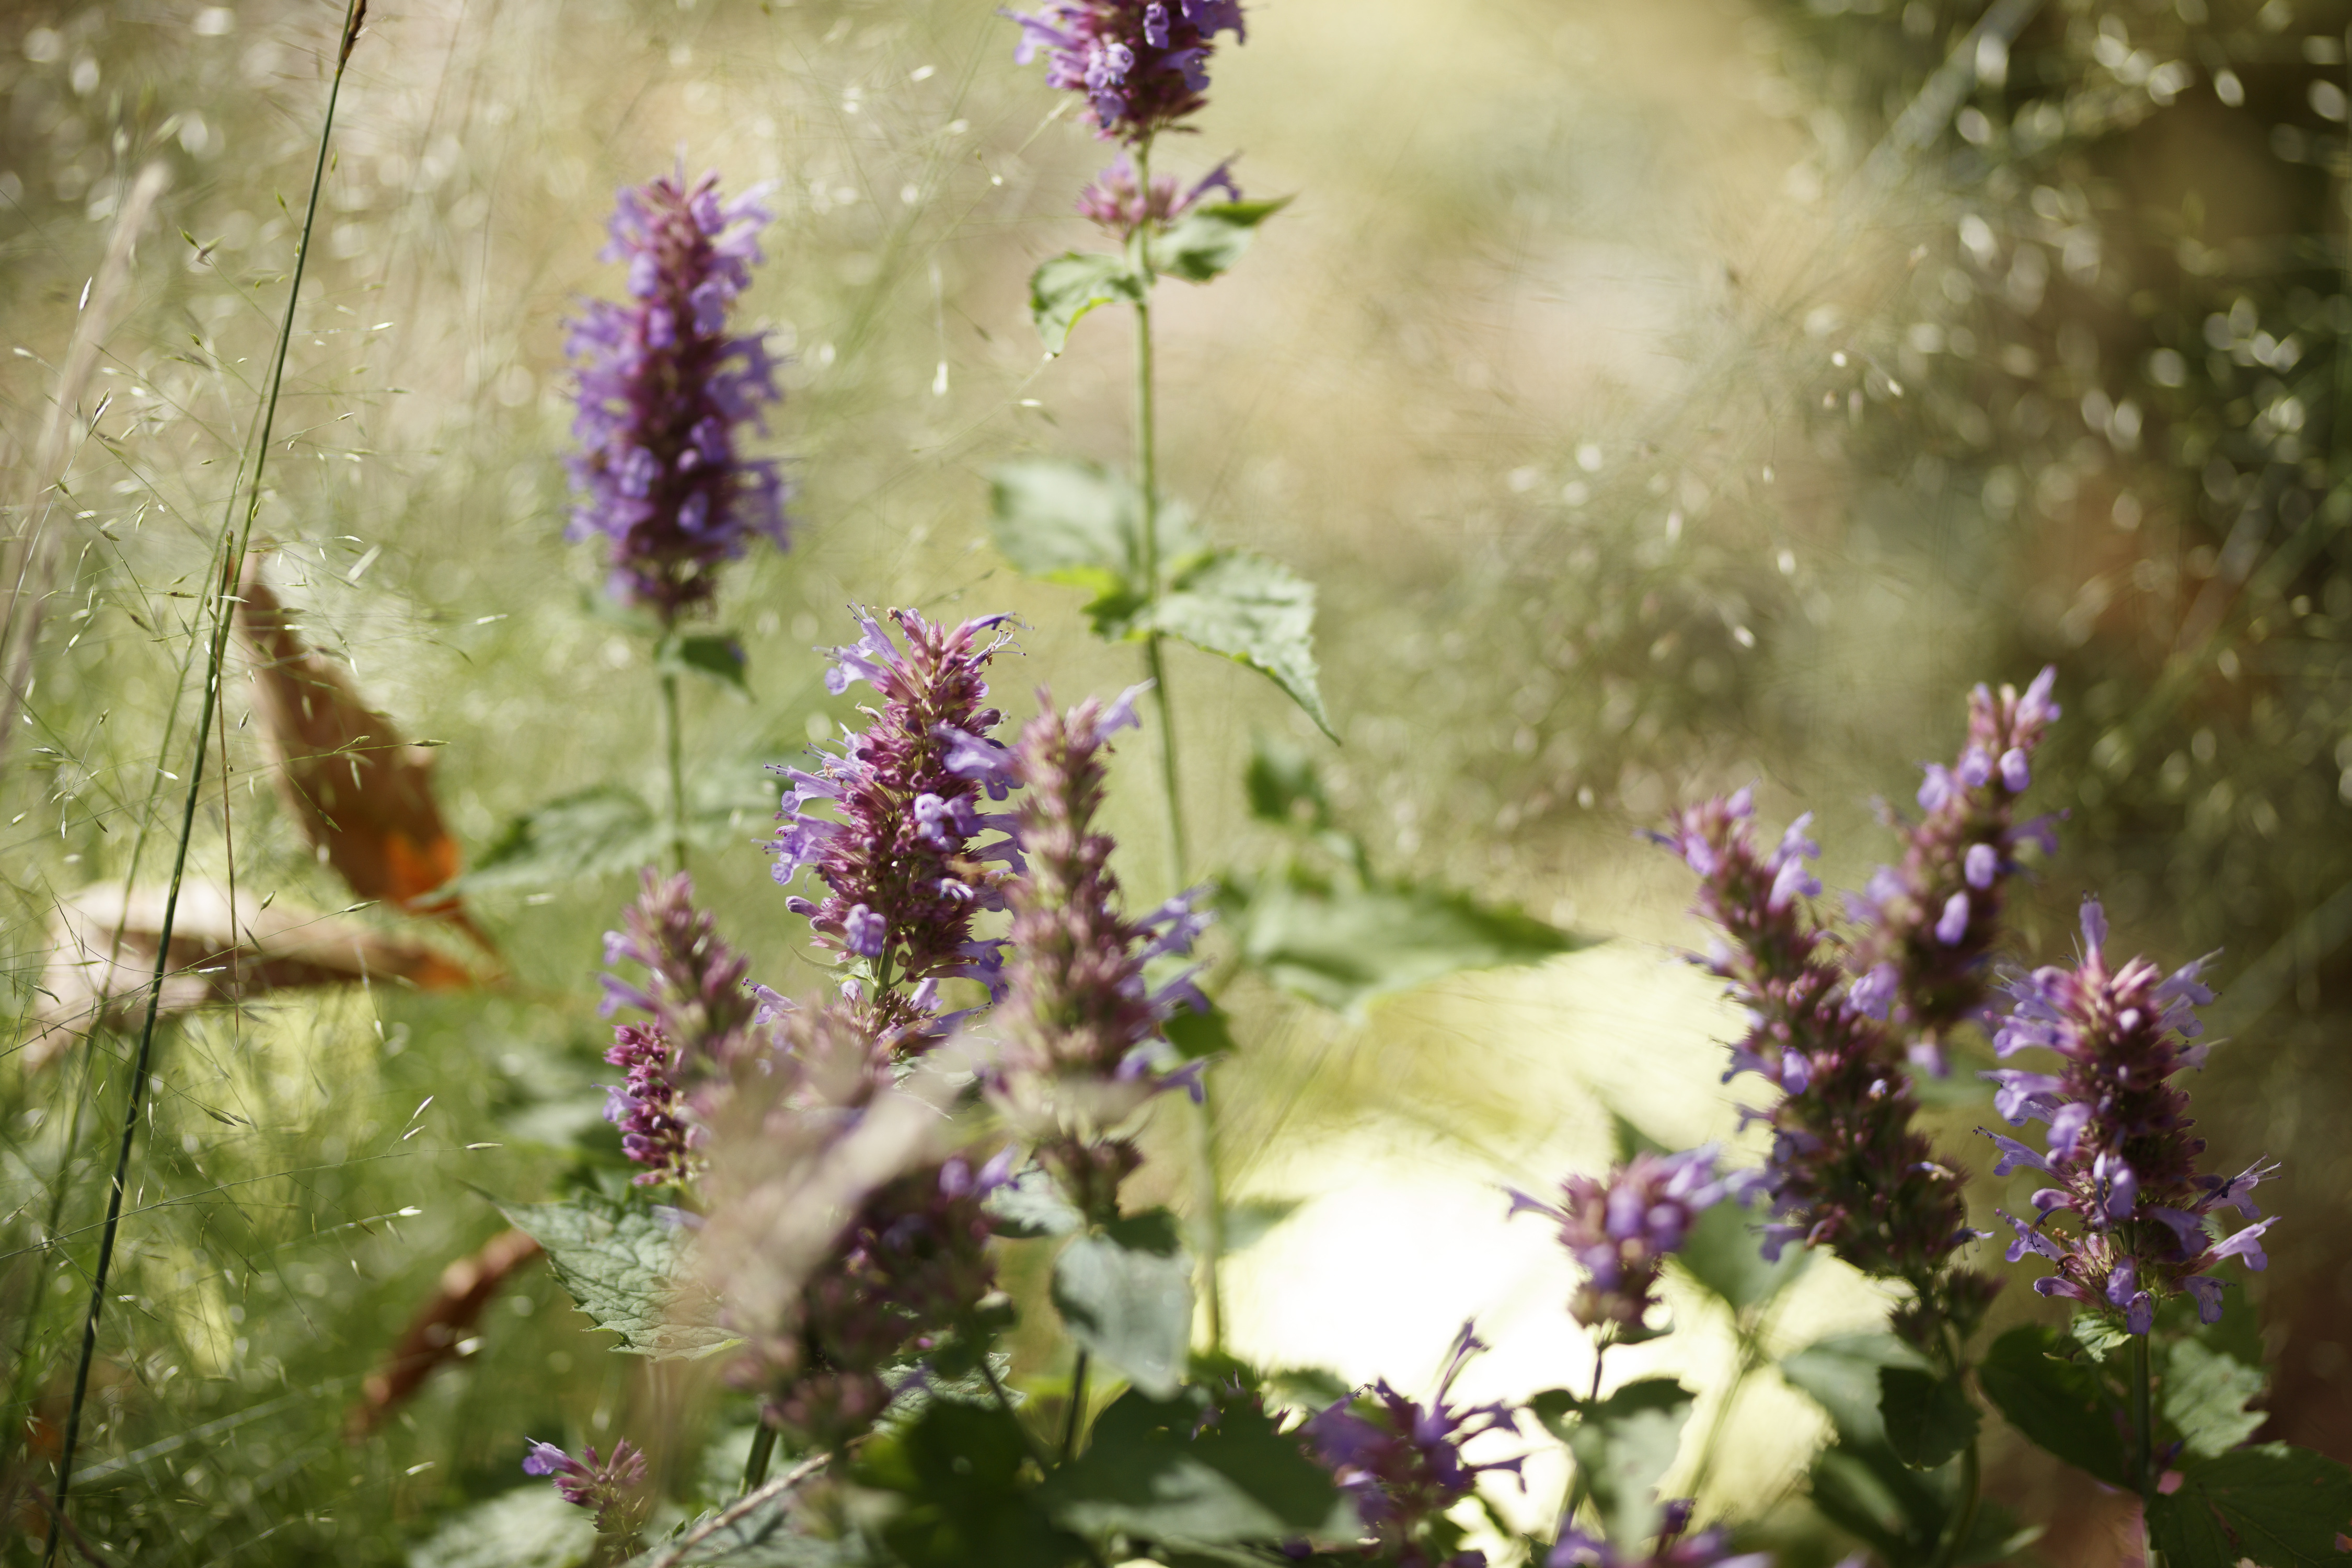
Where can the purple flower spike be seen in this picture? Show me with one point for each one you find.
(663, 391)
(1621, 1231)
(900, 847)
(1707, 1549)
(1141, 65)
(2123, 1160)
(1118, 205)
(615, 1488)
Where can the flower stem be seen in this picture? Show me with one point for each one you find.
(1078, 1407)
(2144, 1444)
(674, 744)
(234, 543)
(1971, 1497)
(1751, 1356)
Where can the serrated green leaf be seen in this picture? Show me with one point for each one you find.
(1065, 288)
(1726, 1257)
(1928, 1419)
(1622, 1445)
(1841, 1375)
(2100, 1336)
(1196, 1035)
(2283, 1507)
(713, 656)
(624, 1265)
(590, 833)
(2059, 1404)
(1251, 610)
(1032, 1205)
(1125, 1292)
(1082, 526)
(1210, 239)
(959, 1468)
(2205, 1396)
(1346, 947)
(1179, 1469)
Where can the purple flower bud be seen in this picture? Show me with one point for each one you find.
(1622, 1229)
(1139, 66)
(2016, 771)
(1982, 862)
(1953, 923)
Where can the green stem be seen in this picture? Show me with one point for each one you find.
(763, 1448)
(2144, 1444)
(674, 744)
(1751, 1356)
(1579, 1487)
(1971, 1498)
(232, 571)
(1078, 1407)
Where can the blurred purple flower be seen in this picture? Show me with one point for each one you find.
(1621, 1230)
(613, 1488)
(2121, 1158)
(1117, 203)
(898, 848)
(1402, 1462)
(1707, 1549)
(1141, 65)
(662, 390)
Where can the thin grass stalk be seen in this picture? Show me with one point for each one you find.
(674, 747)
(355, 12)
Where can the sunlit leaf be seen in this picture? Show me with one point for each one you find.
(1621, 1444)
(2282, 1507)
(1032, 1205)
(1253, 611)
(1065, 288)
(714, 656)
(625, 1267)
(1210, 239)
(1726, 1257)
(1082, 526)
(2205, 1396)
(1181, 1470)
(598, 830)
(1125, 1292)
(1842, 1374)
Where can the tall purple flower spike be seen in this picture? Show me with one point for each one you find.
(1082, 1025)
(1707, 1549)
(1929, 926)
(892, 825)
(613, 1488)
(1401, 1461)
(664, 391)
(2118, 1153)
(1622, 1230)
(1141, 65)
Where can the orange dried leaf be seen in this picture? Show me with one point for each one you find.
(438, 1329)
(103, 942)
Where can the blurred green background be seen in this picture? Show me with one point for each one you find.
(1657, 405)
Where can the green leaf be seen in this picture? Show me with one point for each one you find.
(1283, 788)
(768, 1537)
(2281, 1506)
(1197, 1035)
(1346, 948)
(598, 830)
(714, 656)
(2059, 1404)
(1629, 1142)
(1725, 1256)
(2098, 1334)
(1070, 285)
(1842, 1374)
(959, 1468)
(1210, 239)
(2205, 1396)
(1246, 1224)
(1622, 1445)
(1182, 1470)
(1928, 1419)
(1126, 1294)
(623, 1266)
(1032, 1205)
(1082, 526)
(529, 1527)
(1253, 611)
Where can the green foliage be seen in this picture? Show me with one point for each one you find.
(1032, 1205)
(967, 1490)
(1187, 1472)
(1196, 1035)
(1722, 1255)
(2205, 1394)
(715, 656)
(1246, 1224)
(1842, 1374)
(770, 1535)
(1125, 1292)
(1073, 283)
(592, 832)
(2058, 1403)
(529, 1527)
(1210, 239)
(1621, 1445)
(2098, 1334)
(1253, 611)
(2283, 1507)
(623, 1266)
(1927, 1418)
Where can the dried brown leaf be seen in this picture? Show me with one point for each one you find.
(103, 942)
(433, 1336)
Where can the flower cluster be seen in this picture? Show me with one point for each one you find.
(613, 1488)
(1847, 1168)
(1622, 1230)
(1929, 927)
(1117, 203)
(2120, 1156)
(899, 855)
(647, 1109)
(1142, 65)
(1082, 1023)
(1402, 1463)
(1675, 1548)
(662, 388)
(910, 1270)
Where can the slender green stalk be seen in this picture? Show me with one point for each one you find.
(1579, 1484)
(232, 568)
(2144, 1444)
(763, 1448)
(674, 745)
(1077, 1411)
(1971, 1499)
(1752, 1357)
